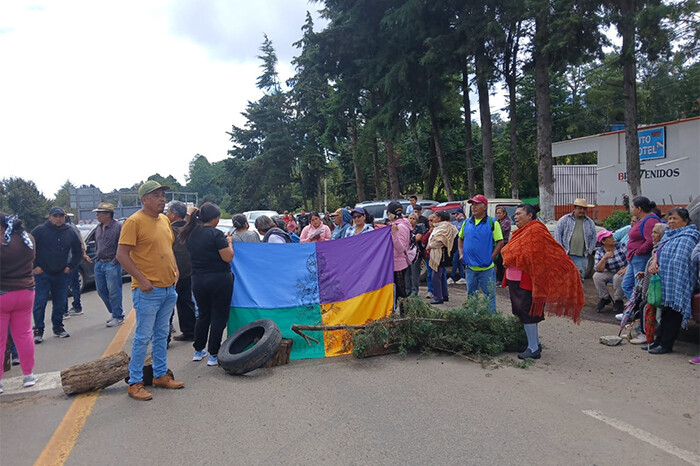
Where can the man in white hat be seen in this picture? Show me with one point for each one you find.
(576, 233)
(108, 272)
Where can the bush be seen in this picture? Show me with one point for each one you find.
(472, 330)
(618, 219)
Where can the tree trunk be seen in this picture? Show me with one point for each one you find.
(391, 170)
(482, 84)
(629, 84)
(281, 357)
(429, 192)
(469, 142)
(511, 69)
(96, 374)
(359, 182)
(377, 173)
(435, 131)
(545, 173)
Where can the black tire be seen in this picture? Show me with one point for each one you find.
(250, 347)
(81, 280)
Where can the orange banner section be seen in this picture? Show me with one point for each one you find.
(355, 311)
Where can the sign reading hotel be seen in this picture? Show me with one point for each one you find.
(652, 143)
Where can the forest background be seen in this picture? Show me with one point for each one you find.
(379, 104)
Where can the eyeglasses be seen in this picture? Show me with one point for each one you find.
(357, 216)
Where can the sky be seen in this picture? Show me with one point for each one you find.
(109, 93)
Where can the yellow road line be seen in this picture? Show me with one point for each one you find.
(66, 434)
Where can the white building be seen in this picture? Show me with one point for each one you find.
(670, 164)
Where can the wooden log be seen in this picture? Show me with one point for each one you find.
(96, 374)
(281, 357)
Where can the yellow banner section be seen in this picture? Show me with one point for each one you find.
(356, 311)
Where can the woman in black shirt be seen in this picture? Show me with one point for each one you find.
(211, 254)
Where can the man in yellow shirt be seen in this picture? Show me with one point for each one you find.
(146, 253)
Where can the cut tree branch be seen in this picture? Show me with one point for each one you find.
(325, 328)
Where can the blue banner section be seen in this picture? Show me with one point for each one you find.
(274, 275)
(652, 143)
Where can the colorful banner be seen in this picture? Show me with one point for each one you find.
(341, 282)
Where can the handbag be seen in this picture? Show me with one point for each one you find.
(654, 293)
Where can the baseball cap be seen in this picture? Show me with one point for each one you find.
(56, 211)
(418, 207)
(150, 186)
(359, 210)
(479, 198)
(104, 207)
(602, 234)
(394, 208)
(339, 211)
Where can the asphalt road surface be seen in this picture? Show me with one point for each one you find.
(582, 403)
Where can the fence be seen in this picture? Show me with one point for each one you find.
(572, 182)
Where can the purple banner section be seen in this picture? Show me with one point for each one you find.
(352, 266)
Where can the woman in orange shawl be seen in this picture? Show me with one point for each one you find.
(540, 275)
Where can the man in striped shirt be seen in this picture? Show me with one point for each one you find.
(610, 265)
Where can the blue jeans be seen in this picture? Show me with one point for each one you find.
(457, 266)
(637, 264)
(57, 285)
(429, 278)
(484, 280)
(153, 312)
(74, 285)
(581, 264)
(108, 281)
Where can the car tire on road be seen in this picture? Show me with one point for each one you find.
(250, 347)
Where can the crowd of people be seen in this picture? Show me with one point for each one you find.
(179, 260)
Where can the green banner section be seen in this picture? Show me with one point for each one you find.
(285, 318)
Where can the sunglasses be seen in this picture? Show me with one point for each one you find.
(357, 216)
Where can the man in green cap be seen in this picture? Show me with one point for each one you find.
(146, 252)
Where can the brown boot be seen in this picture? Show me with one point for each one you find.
(167, 381)
(138, 392)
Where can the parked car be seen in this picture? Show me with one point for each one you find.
(251, 215)
(378, 208)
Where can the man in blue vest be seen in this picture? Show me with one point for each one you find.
(480, 241)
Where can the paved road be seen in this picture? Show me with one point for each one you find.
(582, 403)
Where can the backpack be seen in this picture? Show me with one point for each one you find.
(641, 224)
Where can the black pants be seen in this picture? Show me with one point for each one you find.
(400, 282)
(668, 328)
(213, 294)
(439, 280)
(185, 306)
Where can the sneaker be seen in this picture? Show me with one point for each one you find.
(429, 295)
(619, 316)
(529, 354)
(15, 360)
(213, 361)
(695, 360)
(450, 281)
(640, 339)
(199, 355)
(66, 316)
(75, 312)
(29, 380)
(602, 303)
(38, 336)
(61, 333)
(1, 387)
(461, 281)
(114, 322)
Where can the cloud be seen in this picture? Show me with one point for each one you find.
(233, 30)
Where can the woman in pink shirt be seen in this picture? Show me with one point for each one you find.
(315, 230)
(640, 242)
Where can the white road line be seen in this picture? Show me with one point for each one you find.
(47, 381)
(645, 436)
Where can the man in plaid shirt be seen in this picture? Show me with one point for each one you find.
(610, 265)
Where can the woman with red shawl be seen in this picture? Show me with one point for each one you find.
(540, 275)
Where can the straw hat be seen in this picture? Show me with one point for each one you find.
(581, 202)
